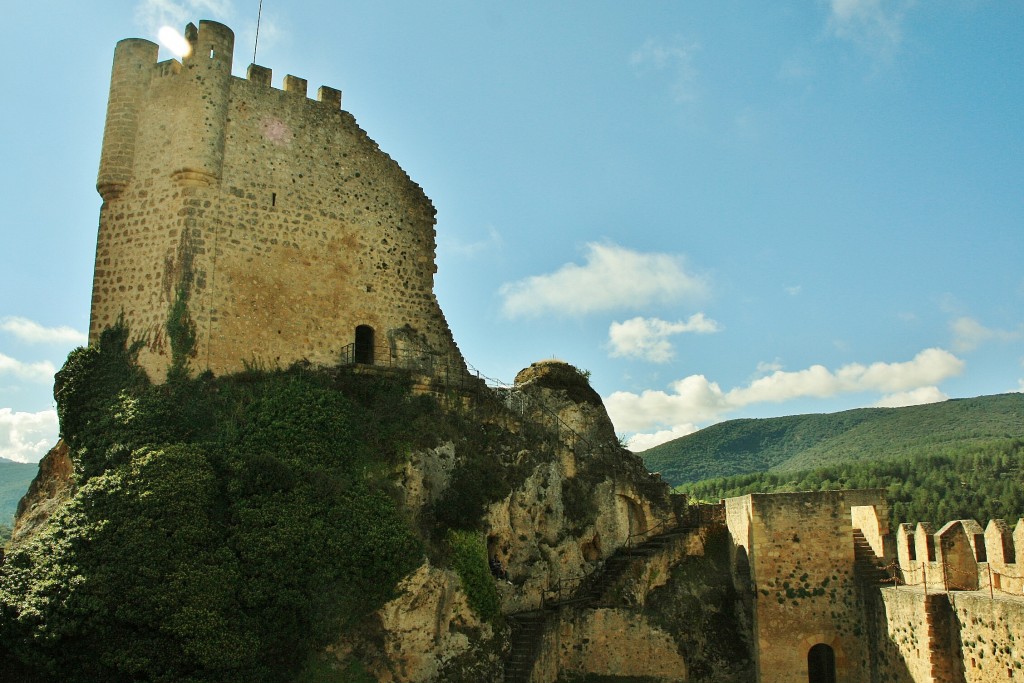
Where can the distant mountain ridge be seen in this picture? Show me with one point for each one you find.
(14, 480)
(802, 442)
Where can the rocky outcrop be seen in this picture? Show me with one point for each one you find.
(428, 629)
(581, 498)
(52, 486)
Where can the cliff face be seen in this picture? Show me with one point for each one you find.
(560, 534)
(51, 487)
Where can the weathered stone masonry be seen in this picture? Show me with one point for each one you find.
(272, 220)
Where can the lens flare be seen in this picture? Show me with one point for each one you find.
(174, 41)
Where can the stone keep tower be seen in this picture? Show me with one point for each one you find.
(242, 224)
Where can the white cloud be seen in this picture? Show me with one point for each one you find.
(26, 437)
(41, 371)
(612, 277)
(915, 397)
(641, 442)
(969, 334)
(696, 400)
(491, 242)
(676, 59)
(794, 290)
(152, 15)
(647, 338)
(876, 26)
(764, 368)
(33, 333)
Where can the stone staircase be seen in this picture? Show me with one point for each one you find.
(598, 592)
(527, 636)
(866, 565)
(528, 627)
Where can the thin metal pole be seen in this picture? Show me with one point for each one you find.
(259, 15)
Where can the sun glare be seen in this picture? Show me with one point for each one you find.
(174, 41)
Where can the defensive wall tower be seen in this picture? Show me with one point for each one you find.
(243, 224)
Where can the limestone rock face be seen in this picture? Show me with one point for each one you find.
(580, 498)
(566, 391)
(48, 491)
(426, 475)
(422, 630)
(578, 509)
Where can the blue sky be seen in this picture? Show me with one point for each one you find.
(722, 210)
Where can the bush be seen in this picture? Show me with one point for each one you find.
(468, 553)
(223, 529)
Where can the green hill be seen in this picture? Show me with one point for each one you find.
(978, 480)
(14, 480)
(807, 442)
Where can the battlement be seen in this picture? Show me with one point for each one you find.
(262, 76)
(961, 556)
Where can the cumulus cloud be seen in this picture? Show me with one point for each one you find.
(876, 26)
(695, 399)
(915, 397)
(969, 334)
(25, 437)
(641, 442)
(675, 58)
(33, 333)
(612, 277)
(41, 371)
(647, 338)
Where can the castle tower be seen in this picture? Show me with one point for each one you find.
(246, 225)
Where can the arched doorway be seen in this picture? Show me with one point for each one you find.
(821, 664)
(364, 345)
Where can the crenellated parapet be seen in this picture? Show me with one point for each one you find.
(204, 78)
(961, 556)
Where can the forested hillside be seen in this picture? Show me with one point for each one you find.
(808, 442)
(980, 481)
(14, 480)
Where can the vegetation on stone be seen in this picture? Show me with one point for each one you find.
(222, 529)
(468, 555)
(983, 480)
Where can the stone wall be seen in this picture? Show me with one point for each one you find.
(991, 636)
(904, 650)
(611, 642)
(957, 637)
(800, 552)
(272, 220)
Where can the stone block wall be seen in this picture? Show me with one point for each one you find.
(800, 551)
(272, 219)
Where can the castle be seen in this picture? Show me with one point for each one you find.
(246, 225)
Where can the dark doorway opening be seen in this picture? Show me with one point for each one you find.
(364, 345)
(821, 664)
